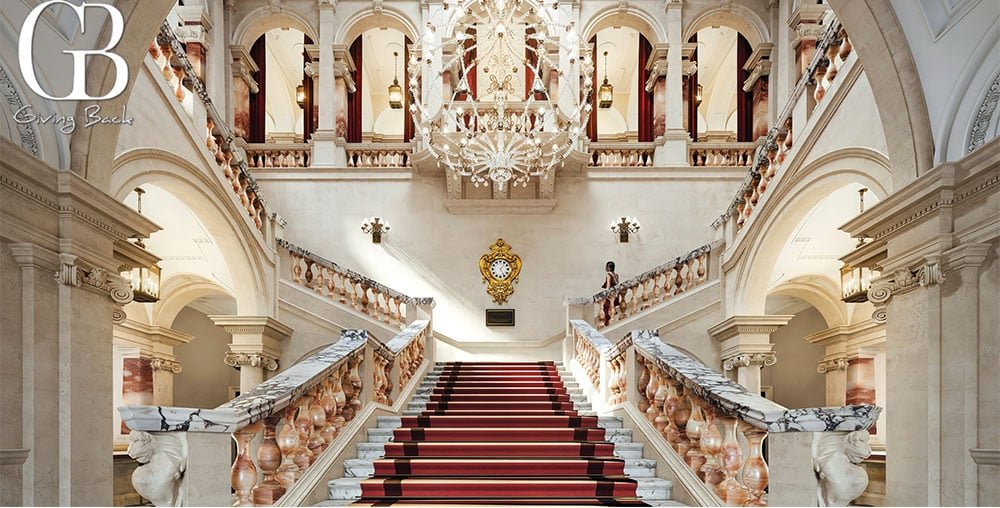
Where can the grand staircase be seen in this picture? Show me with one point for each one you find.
(499, 434)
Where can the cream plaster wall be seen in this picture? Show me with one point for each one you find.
(10, 349)
(430, 252)
(794, 378)
(989, 375)
(205, 380)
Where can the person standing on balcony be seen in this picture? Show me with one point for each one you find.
(610, 281)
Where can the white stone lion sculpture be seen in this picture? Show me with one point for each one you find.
(835, 459)
(163, 459)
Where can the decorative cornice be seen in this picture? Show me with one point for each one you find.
(743, 325)
(764, 359)
(832, 365)
(240, 360)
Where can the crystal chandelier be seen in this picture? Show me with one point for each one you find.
(500, 122)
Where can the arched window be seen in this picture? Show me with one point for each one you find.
(718, 110)
(620, 57)
(278, 109)
(380, 57)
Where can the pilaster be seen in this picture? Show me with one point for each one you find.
(257, 342)
(675, 139)
(746, 346)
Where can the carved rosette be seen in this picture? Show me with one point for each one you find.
(763, 359)
(240, 360)
(831, 365)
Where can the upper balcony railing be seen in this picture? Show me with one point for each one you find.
(170, 58)
(379, 155)
(621, 155)
(831, 54)
(711, 154)
(715, 429)
(349, 288)
(279, 155)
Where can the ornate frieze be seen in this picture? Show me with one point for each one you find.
(763, 359)
(239, 360)
(900, 281)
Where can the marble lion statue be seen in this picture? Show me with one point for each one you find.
(163, 460)
(836, 456)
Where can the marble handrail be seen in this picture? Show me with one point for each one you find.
(170, 57)
(348, 287)
(652, 287)
(831, 54)
(406, 350)
(599, 358)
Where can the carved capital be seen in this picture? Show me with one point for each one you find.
(97, 280)
(241, 360)
(165, 364)
(900, 281)
(832, 365)
(765, 359)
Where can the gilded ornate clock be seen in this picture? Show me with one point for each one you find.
(500, 268)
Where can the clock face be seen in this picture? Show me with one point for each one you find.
(500, 268)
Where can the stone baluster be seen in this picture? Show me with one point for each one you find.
(655, 407)
(679, 416)
(244, 472)
(755, 468)
(711, 445)
(641, 384)
(339, 397)
(269, 459)
(661, 401)
(730, 490)
(317, 416)
(303, 424)
(695, 458)
(329, 404)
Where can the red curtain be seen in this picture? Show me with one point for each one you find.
(258, 103)
(692, 90)
(407, 116)
(470, 55)
(308, 118)
(592, 124)
(354, 99)
(645, 98)
(744, 100)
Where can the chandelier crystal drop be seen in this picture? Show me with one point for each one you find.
(500, 122)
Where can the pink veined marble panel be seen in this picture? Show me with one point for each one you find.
(659, 107)
(137, 383)
(861, 383)
(241, 115)
(760, 108)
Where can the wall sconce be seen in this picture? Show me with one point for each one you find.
(606, 94)
(395, 91)
(624, 227)
(699, 94)
(300, 96)
(376, 227)
(138, 265)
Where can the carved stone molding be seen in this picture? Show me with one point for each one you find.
(832, 365)
(244, 67)
(165, 364)
(765, 359)
(240, 360)
(26, 131)
(900, 281)
(97, 280)
(984, 116)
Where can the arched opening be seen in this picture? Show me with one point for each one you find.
(793, 380)
(282, 110)
(718, 109)
(622, 109)
(378, 109)
(205, 380)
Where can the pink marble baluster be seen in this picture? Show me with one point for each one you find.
(730, 490)
(642, 382)
(711, 445)
(244, 472)
(269, 458)
(288, 442)
(755, 468)
(694, 458)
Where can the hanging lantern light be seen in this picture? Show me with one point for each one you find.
(395, 91)
(139, 266)
(855, 281)
(300, 96)
(606, 94)
(699, 94)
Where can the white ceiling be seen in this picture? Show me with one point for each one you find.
(184, 244)
(816, 246)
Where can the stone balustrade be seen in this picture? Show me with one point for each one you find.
(721, 154)
(831, 55)
(716, 428)
(403, 354)
(279, 155)
(621, 155)
(349, 288)
(169, 56)
(379, 155)
(633, 296)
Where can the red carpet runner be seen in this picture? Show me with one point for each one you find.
(499, 434)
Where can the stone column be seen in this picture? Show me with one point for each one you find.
(675, 147)
(329, 134)
(256, 346)
(746, 346)
(759, 66)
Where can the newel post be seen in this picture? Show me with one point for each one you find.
(576, 309)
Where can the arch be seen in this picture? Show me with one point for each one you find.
(367, 19)
(206, 199)
(92, 151)
(820, 293)
(736, 16)
(899, 97)
(632, 17)
(791, 203)
(258, 21)
(179, 291)
(967, 100)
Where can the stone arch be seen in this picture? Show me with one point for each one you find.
(632, 17)
(206, 199)
(92, 151)
(736, 16)
(367, 19)
(179, 291)
(785, 210)
(895, 82)
(967, 104)
(817, 293)
(258, 21)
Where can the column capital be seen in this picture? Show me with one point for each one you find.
(747, 359)
(255, 335)
(250, 359)
(674, 4)
(903, 280)
(165, 364)
(243, 66)
(832, 364)
(344, 66)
